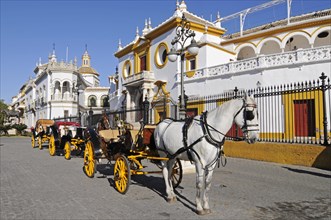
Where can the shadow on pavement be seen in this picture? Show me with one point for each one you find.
(308, 172)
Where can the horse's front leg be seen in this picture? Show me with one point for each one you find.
(167, 180)
(205, 198)
(170, 166)
(200, 175)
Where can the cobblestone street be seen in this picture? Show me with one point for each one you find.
(35, 185)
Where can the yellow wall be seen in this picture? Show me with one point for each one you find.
(295, 154)
(159, 110)
(200, 106)
(288, 101)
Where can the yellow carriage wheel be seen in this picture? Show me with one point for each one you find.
(89, 161)
(67, 150)
(40, 143)
(122, 175)
(51, 146)
(33, 142)
(177, 173)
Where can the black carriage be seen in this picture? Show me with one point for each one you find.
(127, 147)
(41, 132)
(67, 137)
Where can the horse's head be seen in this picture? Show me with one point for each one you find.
(247, 119)
(105, 121)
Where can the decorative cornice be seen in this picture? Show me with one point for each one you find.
(275, 31)
(171, 24)
(124, 51)
(217, 47)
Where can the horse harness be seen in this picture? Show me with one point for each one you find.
(206, 134)
(248, 115)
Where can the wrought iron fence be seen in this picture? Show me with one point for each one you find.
(290, 113)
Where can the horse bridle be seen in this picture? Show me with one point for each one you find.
(248, 116)
(105, 122)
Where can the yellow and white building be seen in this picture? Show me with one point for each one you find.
(285, 51)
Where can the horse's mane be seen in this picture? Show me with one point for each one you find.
(225, 105)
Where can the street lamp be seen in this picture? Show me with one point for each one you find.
(183, 32)
(90, 113)
(79, 90)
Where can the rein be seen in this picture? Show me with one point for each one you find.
(206, 128)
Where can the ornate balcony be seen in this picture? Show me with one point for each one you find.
(139, 78)
(64, 97)
(301, 56)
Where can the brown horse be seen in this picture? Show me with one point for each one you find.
(103, 123)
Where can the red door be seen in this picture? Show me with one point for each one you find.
(304, 118)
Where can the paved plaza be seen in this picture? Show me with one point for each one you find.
(35, 185)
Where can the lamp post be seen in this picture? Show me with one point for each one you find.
(90, 113)
(183, 32)
(79, 90)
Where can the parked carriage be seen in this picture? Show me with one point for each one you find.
(42, 132)
(127, 147)
(67, 137)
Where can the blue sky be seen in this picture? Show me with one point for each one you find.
(29, 29)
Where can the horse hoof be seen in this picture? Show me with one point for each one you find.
(171, 200)
(200, 212)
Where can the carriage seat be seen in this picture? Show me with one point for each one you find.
(110, 135)
(148, 133)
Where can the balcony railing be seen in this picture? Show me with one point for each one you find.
(264, 62)
(64, 97)
(139, 77)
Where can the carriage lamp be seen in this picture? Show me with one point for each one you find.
(183, 33)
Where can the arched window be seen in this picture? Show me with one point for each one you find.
(105, 101)
(57, 87)
(246, 53)
(270, 46)
(66, 87)
(92, 101)
(322, 37)
(296, 41)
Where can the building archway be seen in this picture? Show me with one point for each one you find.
(246, 52)
(92, 101)
(321, 37)
(296, 40)
(104, 101)
(269, 46)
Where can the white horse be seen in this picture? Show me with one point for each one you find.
(202, 143)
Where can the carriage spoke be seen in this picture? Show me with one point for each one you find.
(89, 162)
(122, 174)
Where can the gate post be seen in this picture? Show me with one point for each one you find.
(236, 96)
(146, 111)
(325, 122)
(235, 92)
